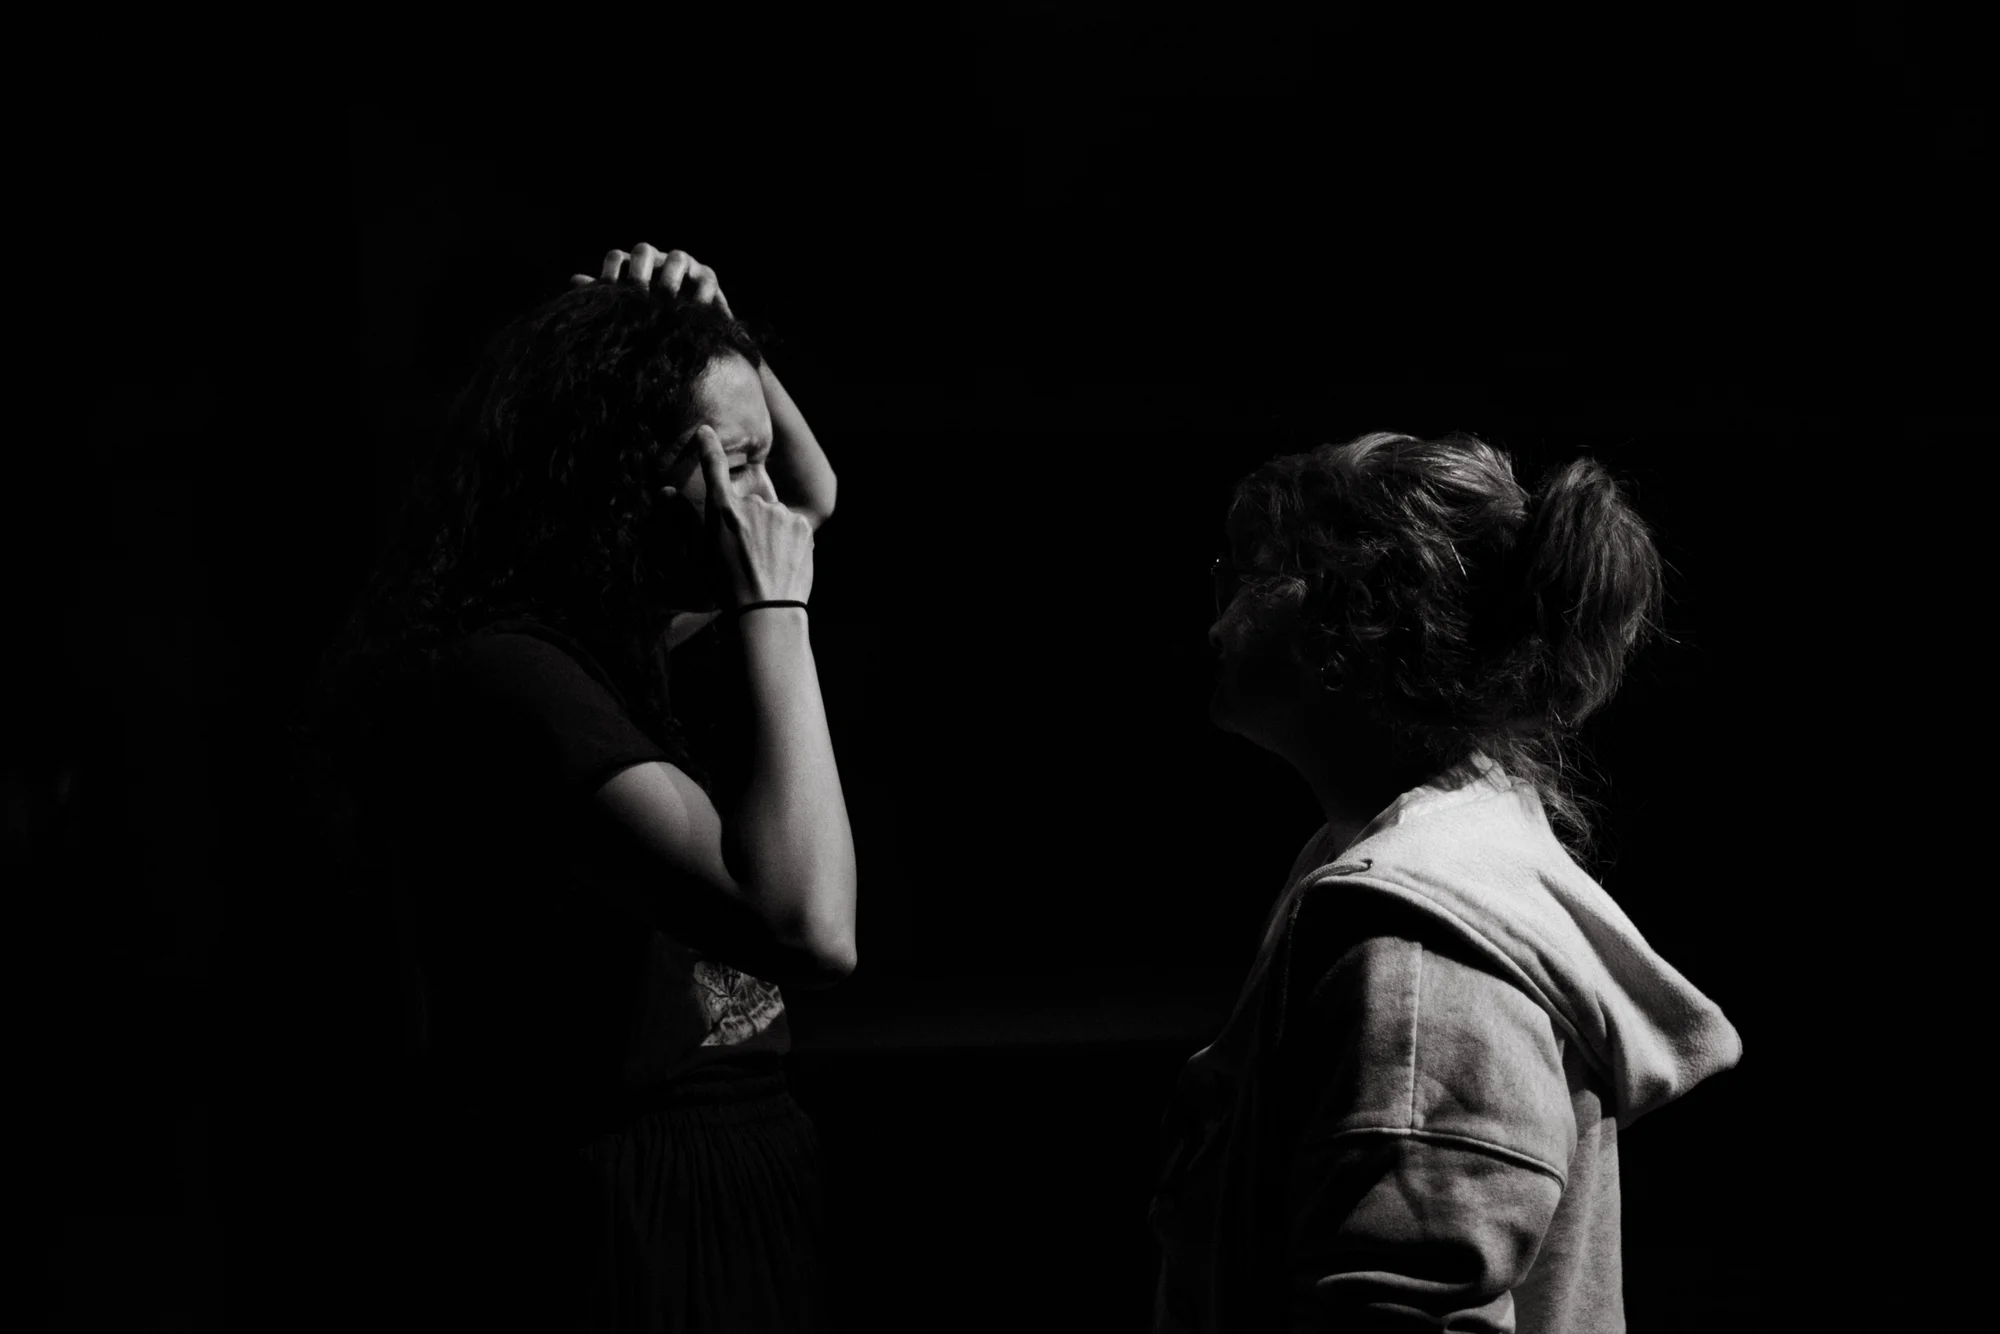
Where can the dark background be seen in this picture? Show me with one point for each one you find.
(1046, 280)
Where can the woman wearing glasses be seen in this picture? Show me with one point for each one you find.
(605, 884)
(1411, 1118)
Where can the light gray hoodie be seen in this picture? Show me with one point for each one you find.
(1410, 1120)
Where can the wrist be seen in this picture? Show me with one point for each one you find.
(767, 620)
(768, 604)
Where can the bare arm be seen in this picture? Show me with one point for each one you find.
(792, 830)
(799, 467)
(771, 890)
(786, 852)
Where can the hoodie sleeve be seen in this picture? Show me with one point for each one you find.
(1433, 1154)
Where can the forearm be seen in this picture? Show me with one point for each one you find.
(798, 465)
(789, 836)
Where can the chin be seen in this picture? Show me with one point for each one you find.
(1219, 711)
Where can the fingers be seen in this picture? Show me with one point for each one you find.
(645, 260)
(581, 280)
(684, 275)
(674, 269)
(700, 284)
(714, 468)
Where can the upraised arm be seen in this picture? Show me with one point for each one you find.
(798, 466)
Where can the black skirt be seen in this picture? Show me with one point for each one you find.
(701, 1213)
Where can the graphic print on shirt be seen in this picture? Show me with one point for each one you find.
(738, 1006)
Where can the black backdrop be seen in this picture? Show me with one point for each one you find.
(1046, 280)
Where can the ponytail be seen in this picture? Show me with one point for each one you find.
(1590, 588)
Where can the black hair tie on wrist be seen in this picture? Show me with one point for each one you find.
(754, 606)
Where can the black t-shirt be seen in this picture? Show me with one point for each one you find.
(544, 992)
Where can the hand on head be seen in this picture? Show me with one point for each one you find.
(678, 272)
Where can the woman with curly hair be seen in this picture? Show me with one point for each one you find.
(605, 885)
(1410, 1120)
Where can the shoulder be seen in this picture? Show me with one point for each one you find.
(547, 703)
(1316, 852)
(1420, 1035)
(525, 652)
(526, 667)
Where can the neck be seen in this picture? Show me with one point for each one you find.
(1349, 768)
(1348, 807)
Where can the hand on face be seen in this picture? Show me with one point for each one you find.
(730, 412)
(759, 551)
(729, 401)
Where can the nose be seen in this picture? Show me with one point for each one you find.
(760, 485)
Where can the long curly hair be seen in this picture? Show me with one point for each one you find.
(543, 501)
(1463, 614)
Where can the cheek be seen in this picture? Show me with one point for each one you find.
(1254, 698)
(1265, 674)
(1233, 632)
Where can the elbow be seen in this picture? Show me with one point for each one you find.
(820, 954)
(820, 507)
(830, 946)
(833, 963)
(820, 969)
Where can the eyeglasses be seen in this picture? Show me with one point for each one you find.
(1226, 580)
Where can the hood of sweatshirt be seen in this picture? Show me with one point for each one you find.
(1482, 859)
